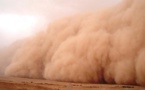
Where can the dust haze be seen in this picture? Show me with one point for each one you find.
(106, 46)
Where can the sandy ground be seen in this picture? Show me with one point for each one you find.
(11, 83)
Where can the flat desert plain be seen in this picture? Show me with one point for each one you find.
(13, 83)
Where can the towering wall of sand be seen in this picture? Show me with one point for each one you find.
(104, 46)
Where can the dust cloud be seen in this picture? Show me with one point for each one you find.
(106, 46)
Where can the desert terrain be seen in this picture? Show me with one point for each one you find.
(12, 83)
